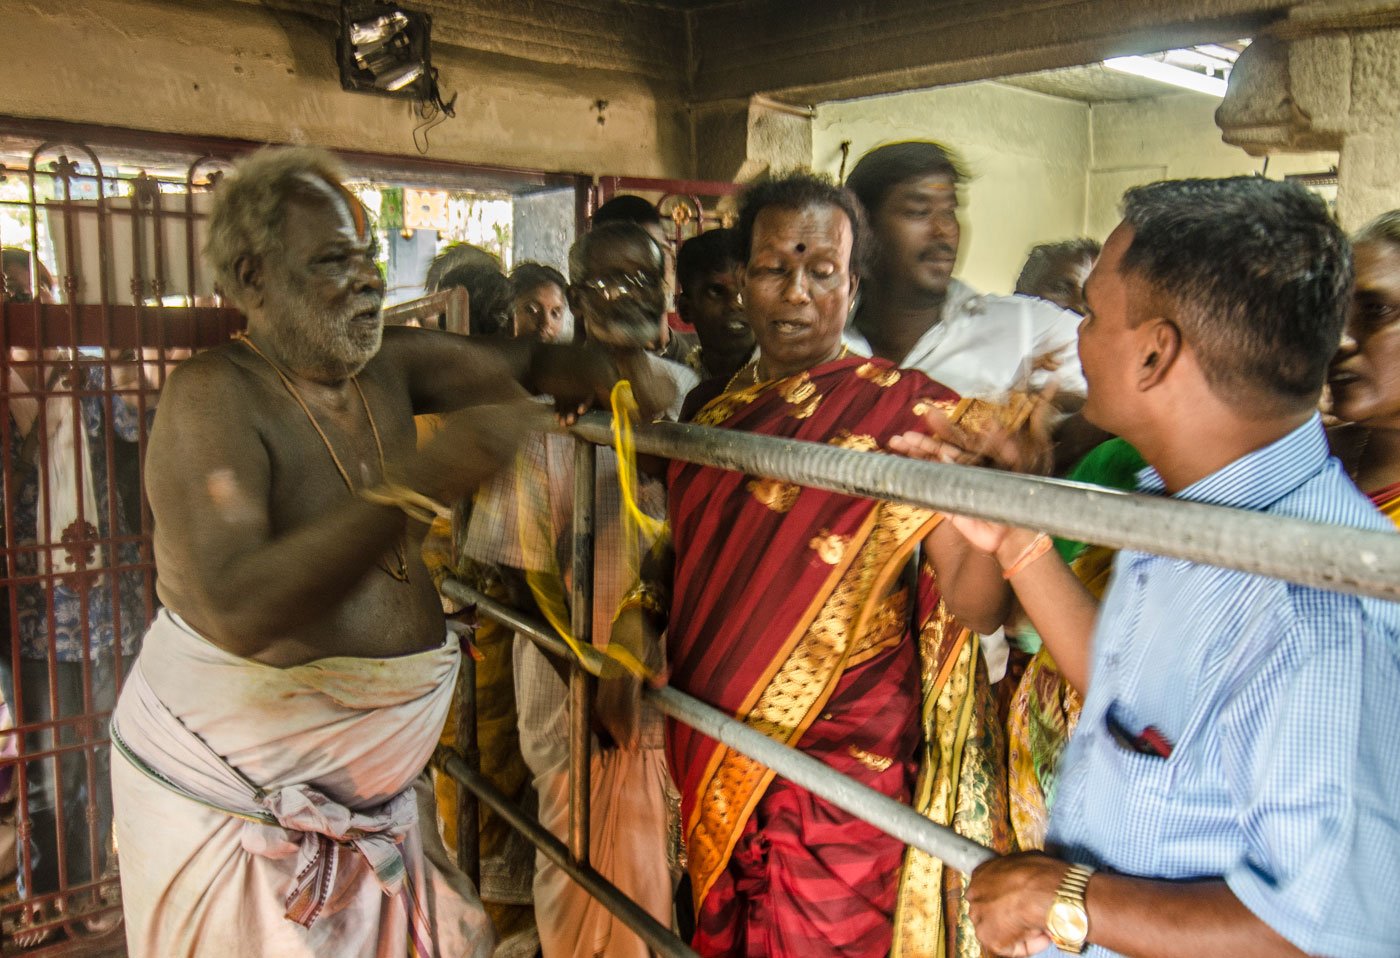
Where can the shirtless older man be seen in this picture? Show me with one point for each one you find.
(288, 696)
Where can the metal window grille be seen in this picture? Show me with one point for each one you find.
(108, 294)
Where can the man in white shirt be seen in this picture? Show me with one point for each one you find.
(915, 314)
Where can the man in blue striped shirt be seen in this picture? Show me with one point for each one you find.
(1232, 778)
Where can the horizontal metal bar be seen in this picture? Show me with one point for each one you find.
(73, 912)
(865, 803)
(657, 936)
(504, 614)
(40, 899)
(425, 307)
(25, 728)
(40, 755)
(1309, 553)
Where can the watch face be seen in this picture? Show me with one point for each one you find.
(1067, 922)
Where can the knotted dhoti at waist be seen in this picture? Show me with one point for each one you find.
(277, 811)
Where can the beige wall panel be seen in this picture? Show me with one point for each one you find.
(1027, 153)
(237, 70)
(1044, 168)
(609, 35)
(1168, 137)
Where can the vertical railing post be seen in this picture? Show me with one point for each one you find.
(468, 815)
(580, 683)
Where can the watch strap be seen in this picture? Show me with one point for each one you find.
(1074, 884)
(1071, 892)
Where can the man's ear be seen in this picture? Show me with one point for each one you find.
(1160, 347)
(249, 273)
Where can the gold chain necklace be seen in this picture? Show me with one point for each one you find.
(399, 571)
(752, 365)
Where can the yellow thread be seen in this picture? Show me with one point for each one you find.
(624, 408)
(548, 588)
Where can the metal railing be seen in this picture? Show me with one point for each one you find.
(1308, 553)
(1313, 554)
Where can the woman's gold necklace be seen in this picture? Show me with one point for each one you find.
(399, 571)
(752, 366)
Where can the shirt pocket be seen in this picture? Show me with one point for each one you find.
(1134, 792)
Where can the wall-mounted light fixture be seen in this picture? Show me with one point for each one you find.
(1166, 73)
(1204, 69)
(384, 49)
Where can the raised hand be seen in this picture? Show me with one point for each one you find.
(1020, 445)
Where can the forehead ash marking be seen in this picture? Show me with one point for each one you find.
(342, 197)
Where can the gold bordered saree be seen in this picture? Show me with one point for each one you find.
(792, 610)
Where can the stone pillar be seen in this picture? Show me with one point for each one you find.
(1334, 89)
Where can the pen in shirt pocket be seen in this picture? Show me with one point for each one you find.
(1150, 741)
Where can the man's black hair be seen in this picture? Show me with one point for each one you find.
(528, 277)
(1046, 255)
(627, 209)
(478, 272)
(1254, 272)
(885, 167)
(710, 252)
(797, 191)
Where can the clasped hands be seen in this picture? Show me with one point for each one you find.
(1017, 441)
(1008, 897)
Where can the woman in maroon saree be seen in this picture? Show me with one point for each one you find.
(790, 608)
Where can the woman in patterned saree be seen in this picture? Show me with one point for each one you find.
(790, 608)
(1365, 377)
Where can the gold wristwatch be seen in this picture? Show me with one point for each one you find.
(1067, 921)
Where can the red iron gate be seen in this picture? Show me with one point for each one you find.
(103, 293)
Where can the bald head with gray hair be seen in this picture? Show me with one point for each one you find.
(250, 207)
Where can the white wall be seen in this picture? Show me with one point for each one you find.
(1044, 168)
(1027, 153)
(1168, 137)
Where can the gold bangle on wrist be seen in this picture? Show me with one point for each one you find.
(415, 505)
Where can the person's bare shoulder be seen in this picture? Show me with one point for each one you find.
(207, 400)
(206, 382)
